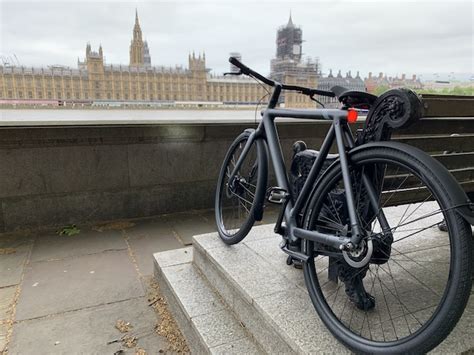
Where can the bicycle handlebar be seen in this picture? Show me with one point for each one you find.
(247, 71)
(306, 91)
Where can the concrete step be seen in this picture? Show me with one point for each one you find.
(268, 297)
(271, 300)
(206, 322)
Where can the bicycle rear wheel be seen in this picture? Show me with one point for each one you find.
(239, 199)
(417, 283)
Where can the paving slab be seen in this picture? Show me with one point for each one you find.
(55, 247)
(7, 296)
(174, 257)
(16, 249)
(187, 225)
(11, 268)
(88, 331)
(209, 215)
(148, 237)
(149, 226)
(65, 285)
(3, 336)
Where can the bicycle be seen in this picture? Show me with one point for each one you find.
(363, 220)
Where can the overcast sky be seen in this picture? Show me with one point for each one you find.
(394, 37)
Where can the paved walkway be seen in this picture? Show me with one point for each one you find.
(65, 294)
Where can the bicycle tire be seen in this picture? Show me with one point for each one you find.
(243, 226)
(459, 279)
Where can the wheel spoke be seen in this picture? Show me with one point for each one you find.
(410, 282)
(236, 202)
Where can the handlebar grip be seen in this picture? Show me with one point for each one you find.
(323, 93)
(240, 65)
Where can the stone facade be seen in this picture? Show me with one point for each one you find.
(96, 81)
(139, 81)
(373, 83)
(347, 81)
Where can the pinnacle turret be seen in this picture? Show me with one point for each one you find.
(137, 49)
(290, 22)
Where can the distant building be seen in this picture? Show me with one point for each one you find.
(289, 42)
(288, 66)
(382, 81)
(140, 81)
(238, 56)
(137, 47)
(349, 82)
(146, 55)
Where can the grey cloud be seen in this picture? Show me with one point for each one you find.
(387, 36)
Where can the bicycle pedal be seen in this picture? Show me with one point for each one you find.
(296, 256)
(277, 195)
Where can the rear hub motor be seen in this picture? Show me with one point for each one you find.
(361, 255)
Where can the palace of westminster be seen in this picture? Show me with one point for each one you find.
(140, 81)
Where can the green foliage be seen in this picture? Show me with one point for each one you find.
(457, 90)
(379, 90)
(69, 230)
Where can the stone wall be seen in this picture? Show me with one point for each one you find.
(56, 175)
(59, 175)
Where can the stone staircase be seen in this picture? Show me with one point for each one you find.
(244, 299)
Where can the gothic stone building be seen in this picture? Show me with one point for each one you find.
(95, 80)
(288, 66)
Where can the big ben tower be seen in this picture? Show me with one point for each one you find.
(137, 46)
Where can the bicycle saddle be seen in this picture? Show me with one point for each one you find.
(353, 98)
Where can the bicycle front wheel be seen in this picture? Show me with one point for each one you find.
(412, 291)
(238, 199)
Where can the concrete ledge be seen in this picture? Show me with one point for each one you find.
(271, 299)
(206, 323)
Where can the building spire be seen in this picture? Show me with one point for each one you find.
(290, 21)
(137, 48)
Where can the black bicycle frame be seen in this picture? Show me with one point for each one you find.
(339, 132)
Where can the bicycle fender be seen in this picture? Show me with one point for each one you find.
(458, 196)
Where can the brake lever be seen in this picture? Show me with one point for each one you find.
(316, 100)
